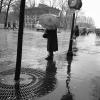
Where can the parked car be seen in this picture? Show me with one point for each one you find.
(39, 27)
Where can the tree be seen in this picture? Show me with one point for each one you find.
(52, 3)
(1, 2)
(42, 1)
(5, 24)
(65, 14)
(84, 21)
(5, 4)
(30, 3)
(61, 4)
(16, 9)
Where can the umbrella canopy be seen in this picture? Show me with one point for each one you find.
(49, 21)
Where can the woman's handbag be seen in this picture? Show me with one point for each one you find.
(45, 35)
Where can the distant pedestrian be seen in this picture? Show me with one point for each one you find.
(9, 25)
(14, 25)
(52, 42)
(76, 32)
(84, 32)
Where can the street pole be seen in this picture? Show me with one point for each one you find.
(20, 40)
(70, 52)
(74, 5)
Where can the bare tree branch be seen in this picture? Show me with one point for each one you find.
(5, 24)
(52, 3)
(42, 1)
(30, 3)
(1, 2)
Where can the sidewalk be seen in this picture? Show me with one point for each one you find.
(33, 64)
(75, 78)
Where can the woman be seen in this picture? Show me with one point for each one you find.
(52, 42)
(76, 31)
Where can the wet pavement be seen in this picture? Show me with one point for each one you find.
(65, 78)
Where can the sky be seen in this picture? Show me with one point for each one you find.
(90, 8)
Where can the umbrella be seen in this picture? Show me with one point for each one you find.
(49, 21)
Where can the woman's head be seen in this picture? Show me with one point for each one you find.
(76, 26)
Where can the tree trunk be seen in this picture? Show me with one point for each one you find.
(20, 41)
(6, 19)
(1, 5)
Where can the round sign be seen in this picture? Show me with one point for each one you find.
(75, 4)
(72, 3)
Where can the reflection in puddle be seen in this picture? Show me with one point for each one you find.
(17, 90)
(77, 77)
(69, 95)
(80, 72)
(97, 42)
(50, 81)
(90, 44)
(96, 88)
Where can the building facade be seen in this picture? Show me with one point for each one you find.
(32, 14)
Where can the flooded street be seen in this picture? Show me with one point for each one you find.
(75, 78)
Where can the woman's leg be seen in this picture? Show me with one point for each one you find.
(51, 53)
(50, 56)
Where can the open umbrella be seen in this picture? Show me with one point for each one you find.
(49, 21)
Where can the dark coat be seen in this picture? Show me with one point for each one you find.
(76, 31)
(52, 42)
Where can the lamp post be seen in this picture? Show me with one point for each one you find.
(74, 5)
(71, 38)
(20, 40)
